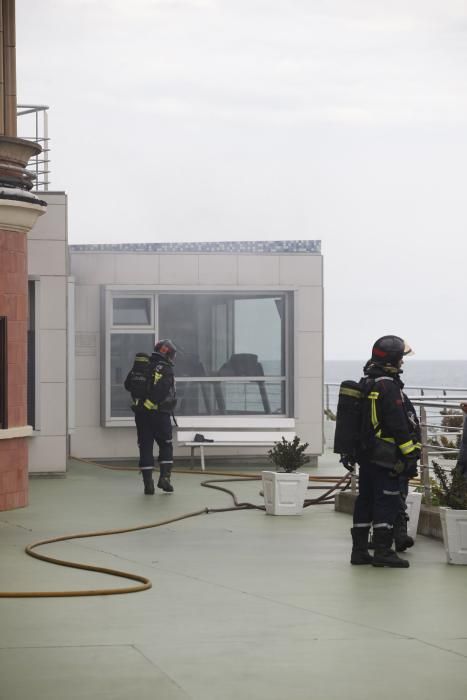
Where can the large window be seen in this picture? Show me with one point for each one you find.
(232, 356)
(3, 374)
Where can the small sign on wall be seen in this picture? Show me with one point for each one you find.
(86, 344)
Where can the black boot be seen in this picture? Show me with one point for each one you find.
(164, 478)
(384, 555)
(402, 540)
(360, 554)
(148, 482)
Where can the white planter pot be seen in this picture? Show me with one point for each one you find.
(284, 494)
(454, 525)
(413, 502)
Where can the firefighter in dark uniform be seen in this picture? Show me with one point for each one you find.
(388, 457)
(153, 418)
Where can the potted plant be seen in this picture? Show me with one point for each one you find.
(285, 490)
(413, 502)
(450, 492)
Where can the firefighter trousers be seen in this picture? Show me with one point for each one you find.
(154, 427)
(379, 498)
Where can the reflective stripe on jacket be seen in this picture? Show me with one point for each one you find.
(392, 415)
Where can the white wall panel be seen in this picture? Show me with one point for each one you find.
(309, 309)
(88, 366)
(47, 454)
(87, 403)
(311, 433)
(179, 269)
(46, 257)
(87, 308)
(256, 270)
(52, 225)
(52, 302)
(309, 355)
(217, 269)
(301, 270)
(309, 403)
(52, 355)
(52, 399)
(137, 268)
(93, 267)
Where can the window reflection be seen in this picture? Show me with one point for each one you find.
(123, 348)
(132, 311)
(230, 351)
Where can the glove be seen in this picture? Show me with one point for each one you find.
(348, 461)
(410, 467)
(406, 467)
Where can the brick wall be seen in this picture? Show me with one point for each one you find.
(13, 305)
(13, 473)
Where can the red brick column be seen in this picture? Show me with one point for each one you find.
(13, 305)
(19, 210)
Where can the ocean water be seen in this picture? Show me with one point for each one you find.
(417, 373)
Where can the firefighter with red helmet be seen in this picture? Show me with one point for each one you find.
(388, 456)
(153, 409)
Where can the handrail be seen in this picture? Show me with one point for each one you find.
(40, 164)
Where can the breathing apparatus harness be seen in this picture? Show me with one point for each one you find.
(359, 433)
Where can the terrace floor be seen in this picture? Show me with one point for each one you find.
(242, 604)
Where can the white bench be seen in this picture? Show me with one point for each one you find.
(230, 439)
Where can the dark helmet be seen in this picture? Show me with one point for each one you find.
(389, 350)
(167, 350)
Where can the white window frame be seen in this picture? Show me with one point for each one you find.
(115, 327)
(153, 293)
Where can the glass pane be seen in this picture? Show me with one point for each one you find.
(131, 311)
(230, 398)
(123, 348)
(224, 335)
(258, 330)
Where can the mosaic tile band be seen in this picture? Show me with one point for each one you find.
(278, 247)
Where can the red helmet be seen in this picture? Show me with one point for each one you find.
(389, 350)
(167, 350)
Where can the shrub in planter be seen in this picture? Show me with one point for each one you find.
(284, 493)
(288, 455)
(450, 488)
(451, 493)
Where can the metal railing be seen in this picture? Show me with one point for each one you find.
(435, 406)
(34, 126)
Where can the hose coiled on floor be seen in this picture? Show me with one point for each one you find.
(144, 582)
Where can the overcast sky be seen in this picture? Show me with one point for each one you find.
(338, 120)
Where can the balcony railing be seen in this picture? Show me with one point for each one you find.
(33, 126)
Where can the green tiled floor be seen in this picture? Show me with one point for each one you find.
(242, 605)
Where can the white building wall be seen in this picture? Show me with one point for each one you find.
(48, 266)
(300, 273)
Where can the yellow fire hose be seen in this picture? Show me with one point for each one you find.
(145, 583)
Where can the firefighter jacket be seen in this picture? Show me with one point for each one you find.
(161, 391)
(392, 416)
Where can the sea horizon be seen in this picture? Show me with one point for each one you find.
(427, 373)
